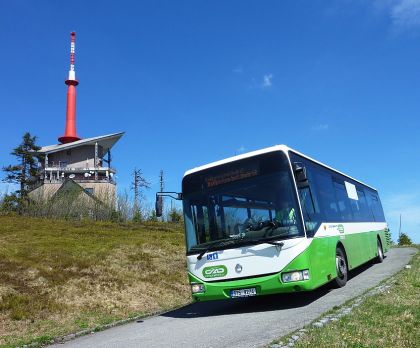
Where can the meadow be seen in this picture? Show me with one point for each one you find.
(59, 277)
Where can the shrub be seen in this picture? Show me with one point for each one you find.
(10, 203)
(404, 239)
(175, 215)
(152, 216)
(137, 216)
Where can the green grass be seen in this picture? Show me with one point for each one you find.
(390, 319)
(58, 277)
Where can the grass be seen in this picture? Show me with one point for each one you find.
(58, 277)
(390, 319)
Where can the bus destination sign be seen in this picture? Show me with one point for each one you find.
(231, 176)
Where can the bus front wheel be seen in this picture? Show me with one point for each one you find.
(342, 269)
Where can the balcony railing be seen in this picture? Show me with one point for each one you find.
(79, 180)
(59, 174)
(78, 169)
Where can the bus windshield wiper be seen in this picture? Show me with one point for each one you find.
(263, 224)
(216, 244)
(270, 240)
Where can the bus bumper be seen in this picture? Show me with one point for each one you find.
(264, 285)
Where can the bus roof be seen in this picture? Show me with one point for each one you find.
(283, 148)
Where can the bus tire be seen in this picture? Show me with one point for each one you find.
(341, 267)
(380, 257)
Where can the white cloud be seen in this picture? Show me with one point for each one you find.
(267, 81)
(321, 127)
(238, 70)
(405, 14)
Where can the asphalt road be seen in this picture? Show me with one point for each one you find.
(245, 322)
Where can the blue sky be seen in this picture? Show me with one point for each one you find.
(196, 81)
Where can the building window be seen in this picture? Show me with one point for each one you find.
(89, 190)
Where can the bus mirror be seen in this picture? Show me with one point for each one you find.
(300, 174)
(302, 184)
(159, 200)
(158, 206)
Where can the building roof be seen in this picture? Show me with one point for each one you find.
(106, 141)
(283, 148)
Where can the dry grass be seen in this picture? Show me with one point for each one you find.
(58, 277)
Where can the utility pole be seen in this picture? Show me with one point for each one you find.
(162, 186)
(399, 232)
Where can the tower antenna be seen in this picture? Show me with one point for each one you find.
(70, 133)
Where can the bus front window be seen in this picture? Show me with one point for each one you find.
(260, 207)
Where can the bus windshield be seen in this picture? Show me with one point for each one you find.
(243, 202)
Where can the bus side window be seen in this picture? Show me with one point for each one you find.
(360, 207)
(381, 215)
(326, 196)
(375, 206)
(343, 202)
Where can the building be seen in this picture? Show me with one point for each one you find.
(75, 164)
(85, 162)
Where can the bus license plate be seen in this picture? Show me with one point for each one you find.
(243, 292)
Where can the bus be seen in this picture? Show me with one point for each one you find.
(276, 221)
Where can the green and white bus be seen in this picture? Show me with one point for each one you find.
(275, 221)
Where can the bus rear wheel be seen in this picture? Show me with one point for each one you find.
(380, 257)
(342, 269)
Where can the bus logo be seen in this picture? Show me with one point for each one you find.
(340, 228)
(214, 271)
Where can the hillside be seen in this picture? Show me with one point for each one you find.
(58, 277)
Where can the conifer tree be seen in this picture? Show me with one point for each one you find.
(27, 170)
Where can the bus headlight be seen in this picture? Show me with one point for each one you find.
(197, 288)
(295, 276)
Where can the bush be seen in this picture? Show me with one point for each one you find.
(10, 203)
(137, 216)
(152, 216)
(404, 239)
(175, 215)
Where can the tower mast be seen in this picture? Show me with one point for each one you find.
(70, 133)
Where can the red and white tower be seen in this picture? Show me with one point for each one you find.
(84, 164)
(70, 133)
